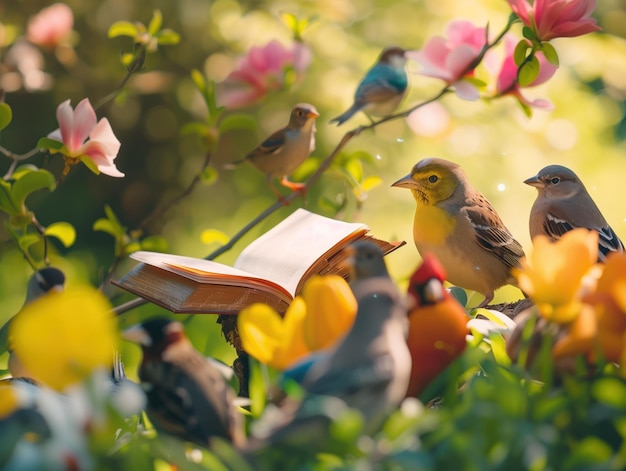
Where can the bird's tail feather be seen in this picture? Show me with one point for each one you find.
(342, 118)
(233, 165)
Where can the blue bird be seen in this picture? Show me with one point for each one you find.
(383, 87)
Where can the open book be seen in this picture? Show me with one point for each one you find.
(271, 270)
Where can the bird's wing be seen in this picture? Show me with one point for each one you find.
(608, 242)
(380, 84)
(554, 227)
(271, 145)
(491, 233)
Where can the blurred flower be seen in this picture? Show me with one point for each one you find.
(51, 27)
(580, 337)
(450, 59)
(551, 19)
(271, 340)
(507, 76)
(262, 70)
(78, 125)
(330, 310)
(552, 274)
(63, 337)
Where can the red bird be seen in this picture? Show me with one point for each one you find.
(437, 325)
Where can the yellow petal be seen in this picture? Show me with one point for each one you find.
(581, 336)
(62, 337)
(331, 308)
(261, 330)
(292, 348)
(8, 400)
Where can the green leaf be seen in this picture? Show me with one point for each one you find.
(237, 121)
(154, 243)
(528, 72)
(63, 231)
(49, 144)
(29, 183)
(167, 37)
(211, 236)
(198, 80)
(90, 164)
(122, 28)
(459, 294)
(194, 128)
(6, 202)
(550, 53)
(27, 240)
(208, 176)
(113, 218)
(256, 387)
(355, 169)
(104, 225)
(371, 182)
(155, 23)
(519, 55)
(529, 33)
(6, 115)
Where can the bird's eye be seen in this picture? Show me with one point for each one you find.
(555, 180)
(433, 178)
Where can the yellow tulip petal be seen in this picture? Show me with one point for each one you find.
(292, 348)
(260, 329)
(331, 309)
(62, 337)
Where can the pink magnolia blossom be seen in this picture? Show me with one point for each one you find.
(551, 19)
(506, 83)
(51, 27)
(262, 70)
(82, 136)
(449, 58)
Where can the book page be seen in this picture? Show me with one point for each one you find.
(284, 253)
(205, 271)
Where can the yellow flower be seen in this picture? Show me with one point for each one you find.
(63, 337)
(8, 400)
(331, 308)
(553, 273)
(275, 341)
(580, 337)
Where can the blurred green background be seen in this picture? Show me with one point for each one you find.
(495, 142)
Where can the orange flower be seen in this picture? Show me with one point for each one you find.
(553, 273)
(581, 336)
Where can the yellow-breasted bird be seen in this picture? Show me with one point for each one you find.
(437, 325)
(187, 396)
(286, 149)
(461, 227)
(563, 204)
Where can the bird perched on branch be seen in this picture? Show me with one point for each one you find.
(437, 325)
(286, 149)
(382, 89)
(46, 280)
(563, 204)
(187, 396)
(368, 370)
(461, 227)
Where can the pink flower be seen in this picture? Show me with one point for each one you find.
(51, 27)
(83, 137)
(449, 59)
(506, 83)
(551, 19)
(262, 70)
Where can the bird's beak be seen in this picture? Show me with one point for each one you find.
(405, 182)
(313, 114)
(534, 181)
(137, 334)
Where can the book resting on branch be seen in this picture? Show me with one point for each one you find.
(271, 270)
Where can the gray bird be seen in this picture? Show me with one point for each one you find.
(368, 370)
(46, 280)
(563, 204)
(187, 396)
(284, 151)
(382, 89)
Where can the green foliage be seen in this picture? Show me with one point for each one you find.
(6, 115)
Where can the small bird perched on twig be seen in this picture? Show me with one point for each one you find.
(382, 89)
(187, 396)
(286, 149)
(461, 227)
(563, 204)
(368, 370)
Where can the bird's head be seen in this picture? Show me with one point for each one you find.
(46, 280)
(156, 335)
(432, 180)
(301, 114)
(426, 283)
(394, 56)
(366, 260)
(556, 182)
